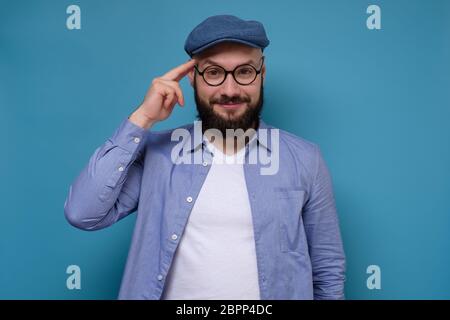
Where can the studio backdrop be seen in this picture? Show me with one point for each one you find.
(368, 81)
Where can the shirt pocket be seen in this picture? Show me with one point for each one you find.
(290, 202)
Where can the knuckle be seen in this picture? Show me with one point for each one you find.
(170, 89)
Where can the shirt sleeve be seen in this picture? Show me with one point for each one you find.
(108, 188)
(324, 237)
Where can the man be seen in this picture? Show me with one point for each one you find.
(215, 229)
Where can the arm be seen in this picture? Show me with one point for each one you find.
(108, 188)
(323, 234)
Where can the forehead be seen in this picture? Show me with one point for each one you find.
(212, 61)
(229, 54)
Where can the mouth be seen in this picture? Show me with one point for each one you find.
(230, 105)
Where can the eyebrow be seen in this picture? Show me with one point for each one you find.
(212, 62)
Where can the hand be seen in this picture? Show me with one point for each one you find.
(161, 97)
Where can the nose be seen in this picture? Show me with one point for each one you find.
(230, 87)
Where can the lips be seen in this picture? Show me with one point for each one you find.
(231, 105)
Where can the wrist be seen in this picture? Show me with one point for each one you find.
(139, 119)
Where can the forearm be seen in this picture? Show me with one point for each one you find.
(96, 198)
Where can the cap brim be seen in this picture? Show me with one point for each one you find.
(213, 43)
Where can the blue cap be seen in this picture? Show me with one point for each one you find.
(221, 28)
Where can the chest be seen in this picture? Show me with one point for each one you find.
(223, 200)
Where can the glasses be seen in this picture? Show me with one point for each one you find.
(243, 74)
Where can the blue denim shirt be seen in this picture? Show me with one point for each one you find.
(296, 230)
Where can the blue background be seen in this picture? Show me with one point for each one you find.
(376, 101)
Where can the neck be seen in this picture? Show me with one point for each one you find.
(231, 145)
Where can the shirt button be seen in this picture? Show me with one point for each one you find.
(121, 169)
(160, 277)
(205, 164)
(189, 199)
(137, 140)
(174, 237)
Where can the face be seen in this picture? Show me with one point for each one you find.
(229, 105)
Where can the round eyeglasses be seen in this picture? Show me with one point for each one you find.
(243, 74)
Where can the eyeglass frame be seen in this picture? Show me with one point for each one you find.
(232, 73)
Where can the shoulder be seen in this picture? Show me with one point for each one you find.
(293, 143)
(296, 152)
(164, 140)
(164, 136)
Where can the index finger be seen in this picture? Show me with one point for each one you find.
(179, 72)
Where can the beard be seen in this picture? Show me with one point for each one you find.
(211, 120)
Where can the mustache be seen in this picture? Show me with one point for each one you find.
(227, 99)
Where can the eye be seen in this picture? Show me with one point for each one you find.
(245, 71)
(213, 71)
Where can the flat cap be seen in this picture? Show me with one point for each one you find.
(221, 28)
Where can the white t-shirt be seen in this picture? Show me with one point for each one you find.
(216, 256)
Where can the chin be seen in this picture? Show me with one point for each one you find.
(230, 115)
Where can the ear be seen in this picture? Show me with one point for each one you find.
(191, 76)
(263, 73)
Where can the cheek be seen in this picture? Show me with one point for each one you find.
(253, 93)
(206, 93)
